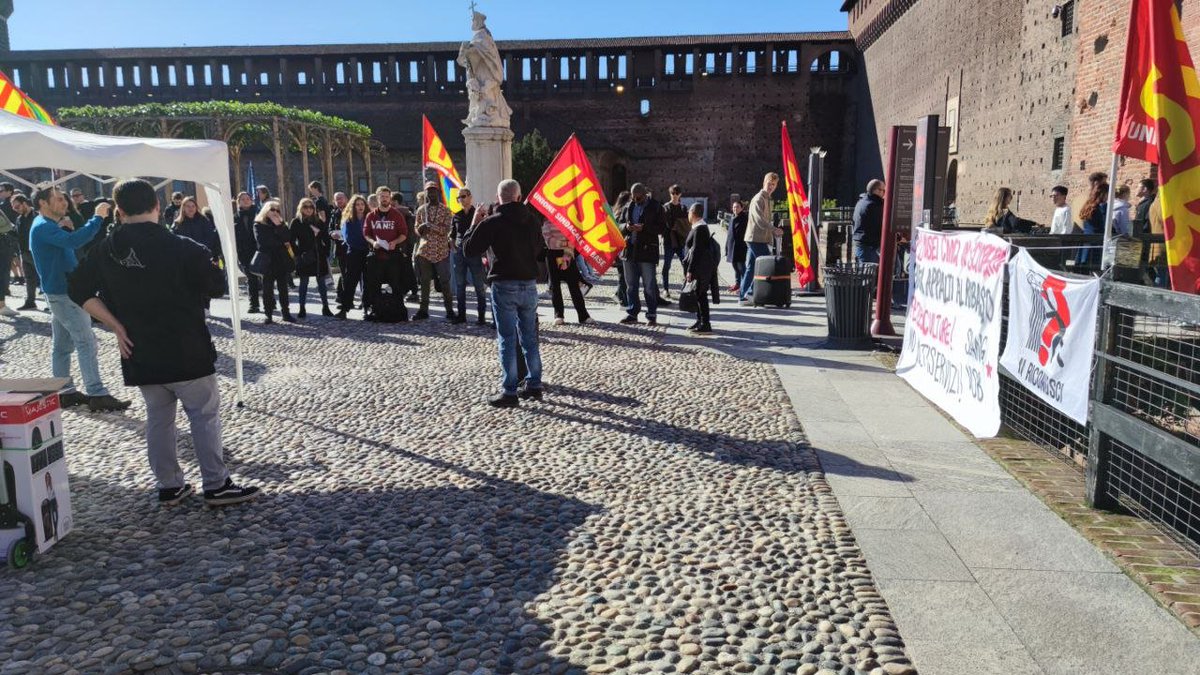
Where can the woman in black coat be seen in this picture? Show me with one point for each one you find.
(311, 242)
(193, 224)
(735, 242)
(700, 259)
(273, 259)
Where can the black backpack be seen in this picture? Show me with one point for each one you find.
(388, 308)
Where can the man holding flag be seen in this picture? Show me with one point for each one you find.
(1159, 121)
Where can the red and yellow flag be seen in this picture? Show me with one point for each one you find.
(799, 210)
(15, 101)
(1159, 122)
(569, 196)
(435, 156)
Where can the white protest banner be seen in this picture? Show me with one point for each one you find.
(1051, 334)
(952, 333)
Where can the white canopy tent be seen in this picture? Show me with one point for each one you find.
(27, 144)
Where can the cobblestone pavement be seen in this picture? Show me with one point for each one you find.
(659, 512)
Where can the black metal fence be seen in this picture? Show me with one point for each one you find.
(1023, 413)
(1144, 451)
(1141, 448)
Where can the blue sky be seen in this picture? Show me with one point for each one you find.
(88, 24)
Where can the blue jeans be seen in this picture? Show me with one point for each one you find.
(753, 251)
(636, 273)
(462, 265)
(866, 254)
(71, 331)
(514, 304)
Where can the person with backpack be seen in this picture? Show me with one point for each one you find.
(701, 255)
(386, 231)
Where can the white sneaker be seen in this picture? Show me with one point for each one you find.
(558, 321)
(8, 311)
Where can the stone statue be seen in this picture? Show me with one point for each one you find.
(485, 74)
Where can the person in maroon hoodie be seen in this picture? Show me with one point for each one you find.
(386, 230)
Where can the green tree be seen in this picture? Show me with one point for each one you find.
(530, 157)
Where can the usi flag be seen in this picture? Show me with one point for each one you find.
(569, 196)
(1160, 113)
(799, 210)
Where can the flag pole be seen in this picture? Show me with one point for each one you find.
(1107, 258)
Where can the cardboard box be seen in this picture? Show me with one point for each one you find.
(35, 471)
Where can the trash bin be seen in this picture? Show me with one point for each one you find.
(849, 288)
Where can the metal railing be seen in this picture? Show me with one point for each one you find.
(1144, 451)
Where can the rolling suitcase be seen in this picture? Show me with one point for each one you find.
(772, 281)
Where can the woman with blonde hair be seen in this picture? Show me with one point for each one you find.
(190, 222)
(1000, 219)
(273, 260)
(311, 243)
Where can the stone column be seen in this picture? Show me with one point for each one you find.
(489, 160)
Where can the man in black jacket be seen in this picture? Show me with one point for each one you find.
(151, 287)
(243, 231)
(643, 221)
(514, 237)
(868, 223)
(25, 215)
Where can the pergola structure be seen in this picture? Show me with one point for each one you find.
(241, 125)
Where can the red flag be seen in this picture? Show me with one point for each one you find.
(569, 196)
(1158, 121)
(799, 210)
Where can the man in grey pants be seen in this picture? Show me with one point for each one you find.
(151, 287)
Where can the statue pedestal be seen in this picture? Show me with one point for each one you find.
(489, 161)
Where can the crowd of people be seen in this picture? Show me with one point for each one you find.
(1127, 219)
(388, 255)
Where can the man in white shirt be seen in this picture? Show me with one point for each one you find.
(1061, 224)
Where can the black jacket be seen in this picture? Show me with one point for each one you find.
(157, 284)
(678, 226)
(514, 236)
(201, 230)
(273, 243)
(462, 224)
(868, 220)
(169, 214)
(243, 234)
(1141, 215)
(735, 241)
(643, 246)
(24, 224)
(303, 240)
(699, 258)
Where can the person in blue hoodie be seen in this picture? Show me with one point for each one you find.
(53, 248)
(357, 249)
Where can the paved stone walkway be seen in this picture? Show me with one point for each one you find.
(660, 512)
(980, 575)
